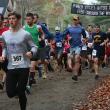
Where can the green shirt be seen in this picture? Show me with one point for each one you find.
(34, 33)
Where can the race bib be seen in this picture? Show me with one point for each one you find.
(94, 52)
(46, 42)
(17, 59)
(84, 48)
(59, 44)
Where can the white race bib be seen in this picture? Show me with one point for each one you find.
(94, 52)
(17, 59)
(59, 44)
(84, 48)
(46, 42)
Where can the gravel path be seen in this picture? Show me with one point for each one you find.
(57, 92)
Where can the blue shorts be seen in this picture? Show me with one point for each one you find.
(75, 50)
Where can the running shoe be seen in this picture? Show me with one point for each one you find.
(75, 78)
(96, 77)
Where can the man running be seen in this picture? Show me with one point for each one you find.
(98, 49)
(36, 33)
(3, 65)
(18, 49)
(76, 32)
(58, 37)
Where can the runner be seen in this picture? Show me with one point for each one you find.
(90, 46)
(16, 50)
(98, 52)
(107, 51)
(66, 50)
(48, 37)
(58, 37)
(76, 32)
(89, 33)
(3, 65)
(36, 33)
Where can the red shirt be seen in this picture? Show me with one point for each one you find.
(1, 31)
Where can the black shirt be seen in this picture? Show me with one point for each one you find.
(99, 38)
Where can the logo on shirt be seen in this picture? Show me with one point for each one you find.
(97, 39)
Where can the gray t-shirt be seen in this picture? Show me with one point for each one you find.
(16, 45)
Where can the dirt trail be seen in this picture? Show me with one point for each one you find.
(58, 92)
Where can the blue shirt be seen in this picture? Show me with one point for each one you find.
(76, 33)
(58, 39)
(48, 35)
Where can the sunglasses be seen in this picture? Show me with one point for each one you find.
(75, 19)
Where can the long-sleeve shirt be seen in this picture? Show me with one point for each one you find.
(16, 45)
(76, 33)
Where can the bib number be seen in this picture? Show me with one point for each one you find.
(59, 44)
(84, 48)
(94, 52)
(46, 42)
(17, 59)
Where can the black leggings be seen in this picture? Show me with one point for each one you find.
(16, 81)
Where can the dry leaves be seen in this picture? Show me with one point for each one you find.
(99, 99)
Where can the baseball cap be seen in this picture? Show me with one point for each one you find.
(75, 17)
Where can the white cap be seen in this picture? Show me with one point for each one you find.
(57, 28)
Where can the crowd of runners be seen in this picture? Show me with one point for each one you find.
(32, 49)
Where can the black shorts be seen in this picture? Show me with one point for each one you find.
(34, 57)
(100, 51)
(89, 51)
(40, 55)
